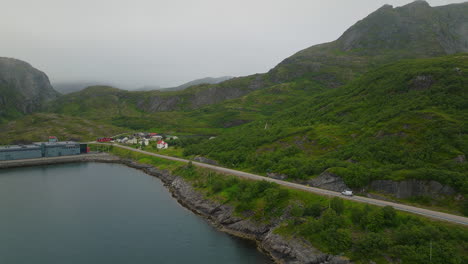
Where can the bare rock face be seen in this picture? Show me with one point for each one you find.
(460, 159)
(407, 27)
(410, 188)
(277, 176)
(205, 160)
(299, 251)
(23, 87)
(202, 95)
(159, 104)
(234, 123)
(328, 181)
(422, 82)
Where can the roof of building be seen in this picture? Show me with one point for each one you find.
(37, 145)
(19, 147)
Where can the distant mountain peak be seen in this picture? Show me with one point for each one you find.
(418, 3)
(416, 27)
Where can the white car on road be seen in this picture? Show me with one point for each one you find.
(347, 193)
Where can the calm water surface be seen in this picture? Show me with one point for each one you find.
(104, 213)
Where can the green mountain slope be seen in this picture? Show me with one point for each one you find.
(404, 120)
(387, 35)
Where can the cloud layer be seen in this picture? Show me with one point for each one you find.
(166, 43)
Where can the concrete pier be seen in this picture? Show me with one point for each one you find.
(97, 157)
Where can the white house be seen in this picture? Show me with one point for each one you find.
(162, 144)
(132, 141)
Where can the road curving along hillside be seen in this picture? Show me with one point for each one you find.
(411, 209)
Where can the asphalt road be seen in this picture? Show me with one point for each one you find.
(415, 210)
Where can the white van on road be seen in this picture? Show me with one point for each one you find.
(347, 193)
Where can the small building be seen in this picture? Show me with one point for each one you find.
(53, 139)
(105, 139)
(162, 145)
(144, 142)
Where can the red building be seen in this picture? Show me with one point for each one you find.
(104, 139)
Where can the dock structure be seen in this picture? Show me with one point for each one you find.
(42, 150)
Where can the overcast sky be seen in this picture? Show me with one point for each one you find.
(134, 43)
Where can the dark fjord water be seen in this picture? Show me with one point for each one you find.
(104, 213)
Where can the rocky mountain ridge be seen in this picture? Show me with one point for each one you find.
(24, 89)
(207, 80)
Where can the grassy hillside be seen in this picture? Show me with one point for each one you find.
(404, 120)
(37, 127)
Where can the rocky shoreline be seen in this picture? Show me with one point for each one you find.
(279, 248)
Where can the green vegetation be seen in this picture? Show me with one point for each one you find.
(405, 120)
(39, 126)
(360, 232)
(363, 107)
(402, 121)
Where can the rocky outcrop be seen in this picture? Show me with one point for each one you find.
(422, 82)
(460, 159)
(23, 88)
(298, 250)
(205, 160)
(201, 95)
(277, 176)
(160, 103)
(207, 80)
(234, 123)
(328, 181)
(280, 249)
(411, 188)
